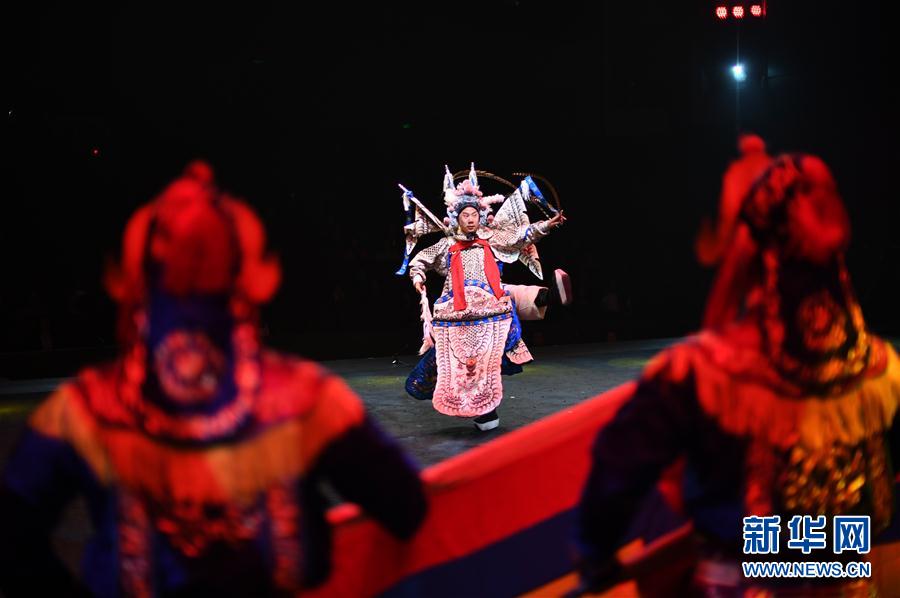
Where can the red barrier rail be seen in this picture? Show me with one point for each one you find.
(496, 489)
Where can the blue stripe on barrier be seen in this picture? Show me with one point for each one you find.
(526, 560)
(506, 568)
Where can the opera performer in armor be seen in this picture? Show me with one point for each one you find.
(475, 324)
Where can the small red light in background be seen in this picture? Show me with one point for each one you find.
(722, 12)
(756, 10)
(95, 151)
(738, 12)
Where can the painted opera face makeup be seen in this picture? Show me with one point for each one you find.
(190, 347)
(189, 366)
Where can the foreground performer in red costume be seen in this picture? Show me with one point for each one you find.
(785, 404)
(201, 454)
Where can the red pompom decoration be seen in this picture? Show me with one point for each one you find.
(194, 240)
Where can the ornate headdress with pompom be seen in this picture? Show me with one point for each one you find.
(193, 239)
(785, 265)
(510, 217)
(466, 195)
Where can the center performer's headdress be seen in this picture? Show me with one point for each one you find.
(467, 195)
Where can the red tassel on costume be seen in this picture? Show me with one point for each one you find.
(456, 268)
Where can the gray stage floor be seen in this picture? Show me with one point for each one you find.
(558, 378)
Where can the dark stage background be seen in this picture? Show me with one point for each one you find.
(313, 113)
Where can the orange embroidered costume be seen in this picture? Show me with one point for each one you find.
(200, 452)
(785, 404)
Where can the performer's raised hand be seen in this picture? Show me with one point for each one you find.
(557, 220)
